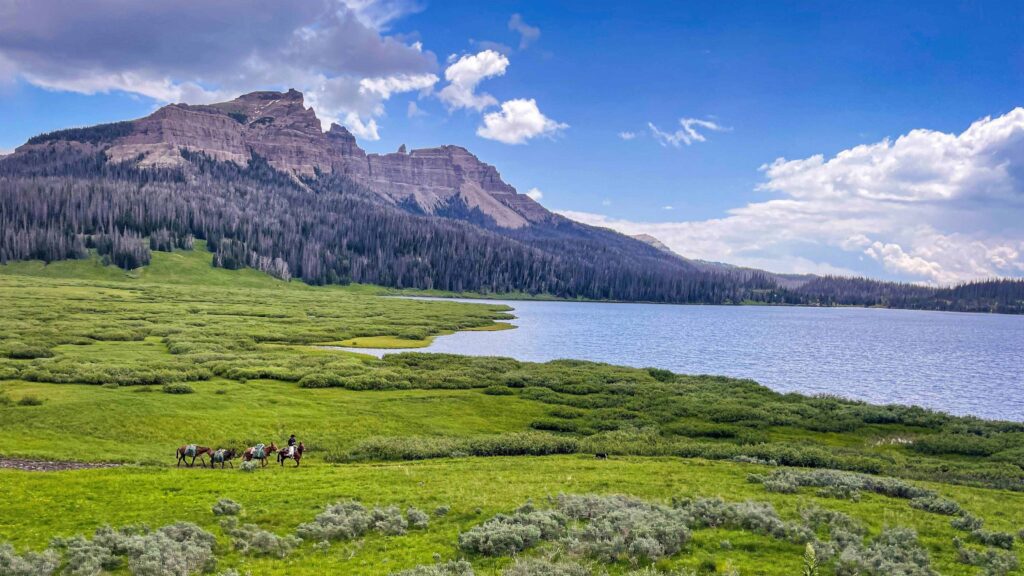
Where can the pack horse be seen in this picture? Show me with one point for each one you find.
(259, 452)
(193, 451)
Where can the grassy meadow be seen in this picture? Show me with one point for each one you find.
(100, 365)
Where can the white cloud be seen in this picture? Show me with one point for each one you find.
(535, 194)
(413, 110)
(606, 202)
(527, 33)
(332, 50)
(668, 207)
(927, 206)
(518, 121)
(627, 135)
(466, 73)
(687, 134)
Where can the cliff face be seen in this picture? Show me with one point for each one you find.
(279, 128)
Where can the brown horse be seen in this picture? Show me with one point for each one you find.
(250, 453)
(198, 453)
(293, 452)
(223, 456)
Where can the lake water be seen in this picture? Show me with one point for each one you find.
(955, 362)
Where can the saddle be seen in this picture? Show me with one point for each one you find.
(190, 450)
(259, 451)
(218, 456)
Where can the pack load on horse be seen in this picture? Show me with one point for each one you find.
(293, 452)
(193, 451)
(223, 456)
(259, 452)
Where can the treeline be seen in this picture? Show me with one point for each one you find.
(1004, 296)
(328, 230)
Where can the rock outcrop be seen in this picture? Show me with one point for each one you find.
(278, 127)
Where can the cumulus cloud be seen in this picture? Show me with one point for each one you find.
(325, 48)
(527, 33)
(689, 132)
(535, 194)
(928, 206)
(466, 73)
(518, 121)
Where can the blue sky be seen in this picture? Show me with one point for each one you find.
(755, 81)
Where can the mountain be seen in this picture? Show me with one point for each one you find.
(260, 181)
(279, 128)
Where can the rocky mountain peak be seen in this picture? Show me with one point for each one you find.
(278, 127)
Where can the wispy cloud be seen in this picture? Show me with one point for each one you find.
(535, 194)
(626, 135)
(527, 34)
(690, 131)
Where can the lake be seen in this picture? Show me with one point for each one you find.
(955, 362)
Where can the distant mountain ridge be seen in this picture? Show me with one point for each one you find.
(267, 188)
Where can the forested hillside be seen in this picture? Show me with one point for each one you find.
(59, 202)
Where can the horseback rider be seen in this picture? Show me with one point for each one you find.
(291, 444)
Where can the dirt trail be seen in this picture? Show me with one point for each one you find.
(50, 465)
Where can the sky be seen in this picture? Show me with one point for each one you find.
(883, 139)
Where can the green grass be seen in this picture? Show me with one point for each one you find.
(93, 344)
(279, 499)
(149, 425)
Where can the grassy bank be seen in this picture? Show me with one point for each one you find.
(68, 503)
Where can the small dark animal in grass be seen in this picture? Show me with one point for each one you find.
(601, 455)
(293, 452)
(259, 452)
(223, 456)
(193, 451)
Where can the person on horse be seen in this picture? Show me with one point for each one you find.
(291, 444)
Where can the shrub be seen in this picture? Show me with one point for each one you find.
(84, 557)
(541, 567)
(504, 535)
(250, 539)
(441, 511)
(177, 389)
(174, 550)
(894, 551)
(418, 519)
(27, 564)
(227, 507)
(388, 521)
(19, 351)
(966, 522)
(936, 505)
(997, 539)
(451, 568)
(992, 562)
(420, 447)
(621, 527)
(30, 401)
(341, 521)
(499, 391)
(791, 480)
(248, 466)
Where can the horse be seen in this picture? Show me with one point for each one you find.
(251, 453)
(293, 452)
(193, 451)
(223, 457)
